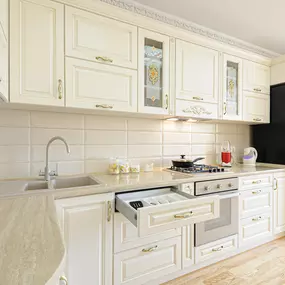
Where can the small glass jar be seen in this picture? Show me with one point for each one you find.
(135, 168)
(114, 167)
(124, 166)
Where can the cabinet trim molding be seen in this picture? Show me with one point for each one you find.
(189, 26)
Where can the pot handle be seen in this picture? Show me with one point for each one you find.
(182, 156)
(197, 159)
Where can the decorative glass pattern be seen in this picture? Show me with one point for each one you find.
(153, 73)
(232, 95)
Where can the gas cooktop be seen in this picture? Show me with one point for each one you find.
(200, 168)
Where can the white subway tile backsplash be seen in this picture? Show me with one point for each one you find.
(14, 118)
(105, 123)
(105, 151)
(135, 137)
(94, 139)
(14, 136)
(56, 120)
(105, 137)
(42, 136)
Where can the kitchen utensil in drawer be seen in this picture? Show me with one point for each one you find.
(136, 204)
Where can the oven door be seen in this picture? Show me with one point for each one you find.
(224, 226)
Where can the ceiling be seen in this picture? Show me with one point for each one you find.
(258, 22)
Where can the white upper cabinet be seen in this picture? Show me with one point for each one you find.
(87, 226)
(99, 86)
(232, 87)
(256, 107)
(153, 73)
(3, 68)
(37, 52)
(197, 72)
(4, 18)
(256, 77)
(97, 38)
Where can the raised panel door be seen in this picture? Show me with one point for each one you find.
(93, 85)
(37, 52)
(3, 68)
(97, 38)
(187, 246)
(87, 231)
(197, 75)
(279, 206)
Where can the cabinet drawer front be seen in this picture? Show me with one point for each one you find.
(143, 264)
(255, 201)
(196, 109)
(98, 86)
(255, 228)
(164, 209)
(97, 38)
(127, 235)
(215, 249)
(258, 181)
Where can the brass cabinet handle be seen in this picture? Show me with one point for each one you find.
(59, 89)
(256, 182)
(217, 249)
(109, 216)
(256, 219)
(257, 89)
(276, 184)
(198, 98)
(256, 192)
(63, 278)
(183, 216)
(225, 108)
(166, 101)
(150, 249)
(104, 58)
(257, 119)
(104, 106)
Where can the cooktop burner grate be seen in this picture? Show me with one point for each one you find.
(198, 168)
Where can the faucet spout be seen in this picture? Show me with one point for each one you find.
(47, 170)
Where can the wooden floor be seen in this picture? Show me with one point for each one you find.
(264, 265)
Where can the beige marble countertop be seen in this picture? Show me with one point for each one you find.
(132, 182)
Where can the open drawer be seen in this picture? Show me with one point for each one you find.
(165, 209)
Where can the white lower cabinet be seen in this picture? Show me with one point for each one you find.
(216, 249)
(279, 203)
(150, 262)
(255, 228)
(99, 86)
(87, 228)
(3, 67)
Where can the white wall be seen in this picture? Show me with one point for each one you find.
(93, 139)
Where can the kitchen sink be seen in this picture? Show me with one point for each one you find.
(36, 185)
(71, 182)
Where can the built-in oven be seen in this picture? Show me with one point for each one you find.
(227, 222)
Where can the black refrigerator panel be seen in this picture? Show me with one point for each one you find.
(277, 104)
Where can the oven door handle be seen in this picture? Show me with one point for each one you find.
(229, 195)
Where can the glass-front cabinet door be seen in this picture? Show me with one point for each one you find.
(153, 73)
(232, 88)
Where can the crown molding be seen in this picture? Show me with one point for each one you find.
(189, 26)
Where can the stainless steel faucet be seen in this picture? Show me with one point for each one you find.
(48, 173)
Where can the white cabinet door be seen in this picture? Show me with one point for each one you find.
(97, 38)
(279, 205)
(256, 77)
(232, 87)
(197, 71)
(187, 246)
(153, 73)
(37, 52)
(3, 68)
(256, 107)
(87, 226)
(93, 85)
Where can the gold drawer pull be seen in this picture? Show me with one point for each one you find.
(59, 88)
(256, 182)
(150, 249)
(63, 278)
(166, 102)
(256, 192)
(198, 98)
(183, 216)
(276, 184)
(109, 216)
(217, 249)
(257, 119)
(256, 219)
(104, 106)
(104, 58)
(257, 89)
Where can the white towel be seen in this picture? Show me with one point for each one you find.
(31, 245)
